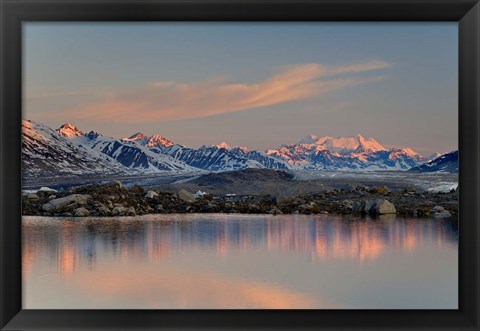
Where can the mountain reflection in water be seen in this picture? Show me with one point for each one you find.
(239, 261)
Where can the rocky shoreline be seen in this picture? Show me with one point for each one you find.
(114, 199)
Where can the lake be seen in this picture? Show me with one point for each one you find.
(239, 261)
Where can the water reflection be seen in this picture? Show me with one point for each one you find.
(92, 251)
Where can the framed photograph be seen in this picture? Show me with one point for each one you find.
(240, 165)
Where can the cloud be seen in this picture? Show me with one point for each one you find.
(167, 100)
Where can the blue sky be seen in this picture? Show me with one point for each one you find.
(251, 84)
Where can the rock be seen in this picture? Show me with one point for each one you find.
(32, 196)
(275, 211)
(151, 194)
(383, 207)
(131, 211)
(124, 211)
(81, 212)
(379, 207)
(348, 187)
(253, 208)
(119, 211)
(116, 183)
(358, 206)
(70, 200)
(185, 195)
(103, 211)
(369, 205)
(442, 214)
(308, 208)
(382, 190)
(137, 189)
(437, 209)
(347, 204)
(200, 194)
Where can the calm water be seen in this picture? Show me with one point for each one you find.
(239, 261)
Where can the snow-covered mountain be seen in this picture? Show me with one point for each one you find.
(444, 163)
(224, 158)
(153, 141)
(69, 130)
(49, 153)
(355, 153)
(68, 150)
(132, 153)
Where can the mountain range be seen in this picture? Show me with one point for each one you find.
(444, 163)
(67, 151)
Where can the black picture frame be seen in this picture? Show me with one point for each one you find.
(14, 12)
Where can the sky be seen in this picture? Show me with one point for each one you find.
(258, 85)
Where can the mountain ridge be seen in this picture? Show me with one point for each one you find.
(144, 154)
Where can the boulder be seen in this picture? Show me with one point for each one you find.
(348, 187)
(382, 190)
(384, 207)
(81, 212)
(347, 204)
(369, 205)
(275, 211)
(379, 207)
(151, 194)
(119, 211)
(437, 209)
(185, 195)
(68, 201)
(116, 183)
(442, 214)
(199, 194)
(137, 189)
(103, 211)
(131, 211)
(358, 206)
(32, 196)
(124, 211)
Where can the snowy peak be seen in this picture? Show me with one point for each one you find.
(153, 154)
(135, 137)
(46, 153)
(410, 152)
(69, 130)
(342, 145)
(223, 145)
(158, 141)
(368, 145)
(357, 152)
(153, 141)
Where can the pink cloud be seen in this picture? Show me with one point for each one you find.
(166, 100)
